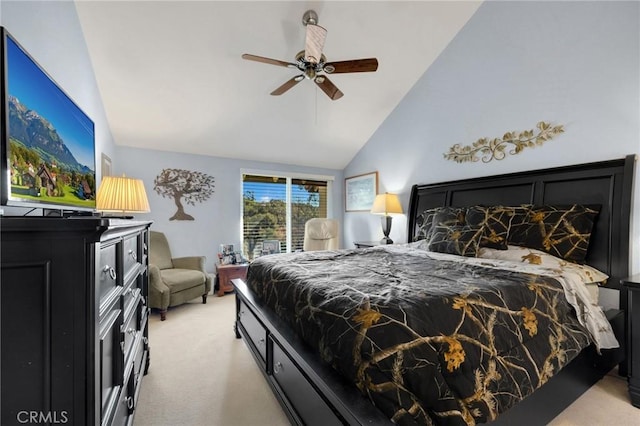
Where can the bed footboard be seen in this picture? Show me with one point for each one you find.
(310, 392)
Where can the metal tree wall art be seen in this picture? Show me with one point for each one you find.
(496, 149)
(183, 185)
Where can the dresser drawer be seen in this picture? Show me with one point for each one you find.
(130, 330)
(111, 367)
(130, 297)
(131, 253)
(298, 390)
(138, 356)
(125, 406)
(107, 273)
(254, 328)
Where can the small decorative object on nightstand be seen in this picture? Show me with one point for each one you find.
(226, 273)
(386, 204)
(632, 284)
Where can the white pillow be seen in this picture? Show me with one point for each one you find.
(537, 257)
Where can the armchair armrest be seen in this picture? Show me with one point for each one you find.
(190, 262)
(159, 293)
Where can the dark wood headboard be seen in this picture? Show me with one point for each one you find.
(607, 183)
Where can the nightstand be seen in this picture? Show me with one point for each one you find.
(632, 284)
(226, 273)
(364, 244)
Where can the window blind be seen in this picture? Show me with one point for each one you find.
(275, 208)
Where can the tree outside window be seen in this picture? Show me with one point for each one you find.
(265, 210)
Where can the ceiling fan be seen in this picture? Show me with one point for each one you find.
(312, 62)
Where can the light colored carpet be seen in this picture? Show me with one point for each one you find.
(202, 375)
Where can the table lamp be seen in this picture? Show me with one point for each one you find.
(122, 195)
(386, 204)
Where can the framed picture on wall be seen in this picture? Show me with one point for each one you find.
(360, 191)
(105, 165)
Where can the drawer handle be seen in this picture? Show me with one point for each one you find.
(131, 330)
(133, 255)
(127, 291)
(261, 341)
(112, 272)
(241, 313)
(145, 339)
(277, 368)
(145, 247)
(129, 401)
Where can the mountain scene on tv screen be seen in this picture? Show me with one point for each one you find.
(42, 167)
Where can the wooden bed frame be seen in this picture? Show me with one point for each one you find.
(311, 392)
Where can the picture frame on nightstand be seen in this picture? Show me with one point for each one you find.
(270, 246)
(226, 254)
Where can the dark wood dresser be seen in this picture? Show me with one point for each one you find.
(74, 332)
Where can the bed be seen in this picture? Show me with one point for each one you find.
(334, 356)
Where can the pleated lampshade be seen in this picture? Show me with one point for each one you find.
(120, 194)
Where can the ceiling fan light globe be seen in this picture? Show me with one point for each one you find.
(310, 73)
(329, 68)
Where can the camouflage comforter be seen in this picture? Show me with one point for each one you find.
(428, 341)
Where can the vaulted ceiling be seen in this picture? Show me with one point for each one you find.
(171, 76)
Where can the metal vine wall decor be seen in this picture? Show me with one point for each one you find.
(496, 149)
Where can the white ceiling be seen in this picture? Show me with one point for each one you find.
(171, 76)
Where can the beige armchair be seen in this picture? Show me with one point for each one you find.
(173, 281)
(321, 234)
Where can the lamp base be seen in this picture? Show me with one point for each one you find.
(386, 228)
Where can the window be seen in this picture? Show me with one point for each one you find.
(275, 209)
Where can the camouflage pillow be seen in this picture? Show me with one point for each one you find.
(563, 231)
(456, 239)
(424, 222)
(437, 216)
(495, 222)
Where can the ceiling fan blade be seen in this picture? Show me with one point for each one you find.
(288, 85)
(328, 87)
(268, 60)
(314, 43)
(355, 65)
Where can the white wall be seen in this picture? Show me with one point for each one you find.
(217, 220)
(513, 65)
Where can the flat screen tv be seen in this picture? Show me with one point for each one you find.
(47, 141)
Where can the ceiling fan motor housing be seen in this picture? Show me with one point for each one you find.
(310, 17)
